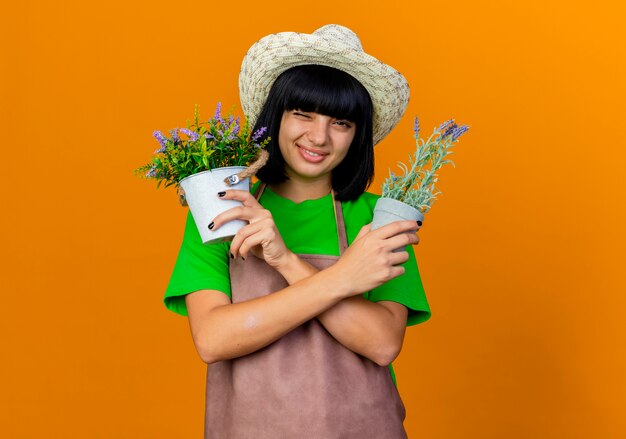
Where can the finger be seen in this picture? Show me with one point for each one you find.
(396, 228)
(249, 214)
(401, 240)
(250, 242)
(244, 233)
(396, 271)
(245, 197)
(228, 215)
(260, 238)
(398, 258)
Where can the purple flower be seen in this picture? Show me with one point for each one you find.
(416, 126)
(160, 137)
(218, 113)
(258, 133)
(458, 132)
(162, 141)
(174, 134)
(232, 127)
(193, 136)
(445, 125)
(449, 130)
(208, 136)
(236, 127)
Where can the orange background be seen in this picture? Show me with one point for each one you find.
(521, 257)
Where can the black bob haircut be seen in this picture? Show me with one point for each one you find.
(331, 92)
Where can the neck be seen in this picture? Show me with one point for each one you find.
(298, 191)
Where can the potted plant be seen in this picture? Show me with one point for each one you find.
(410, 195)
(208, 158)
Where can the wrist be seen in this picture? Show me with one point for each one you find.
(287, 260)
(294, 269)
(341, 283)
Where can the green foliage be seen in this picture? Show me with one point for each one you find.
(416, 185)
(208, 145)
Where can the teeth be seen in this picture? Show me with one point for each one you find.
(311, 153)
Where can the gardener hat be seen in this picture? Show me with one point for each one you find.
(333, 46)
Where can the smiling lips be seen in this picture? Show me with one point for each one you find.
(311, 155)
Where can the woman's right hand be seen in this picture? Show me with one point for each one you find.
(260, 237)
(370, 260)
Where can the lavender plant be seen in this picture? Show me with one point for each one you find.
(216, 143)
(416, 185)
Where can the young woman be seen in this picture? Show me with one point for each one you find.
(300, 316)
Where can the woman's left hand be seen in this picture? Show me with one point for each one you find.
(260, 237)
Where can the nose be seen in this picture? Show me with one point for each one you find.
(318, 130)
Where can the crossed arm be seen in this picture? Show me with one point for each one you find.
(372, 329)
(222, 330)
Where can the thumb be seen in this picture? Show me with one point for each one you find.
(364, 230)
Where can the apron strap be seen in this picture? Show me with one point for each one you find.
(341, 225)
(259, 191)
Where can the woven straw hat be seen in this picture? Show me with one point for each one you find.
(333, 46)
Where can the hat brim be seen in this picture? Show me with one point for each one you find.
(276, 53)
